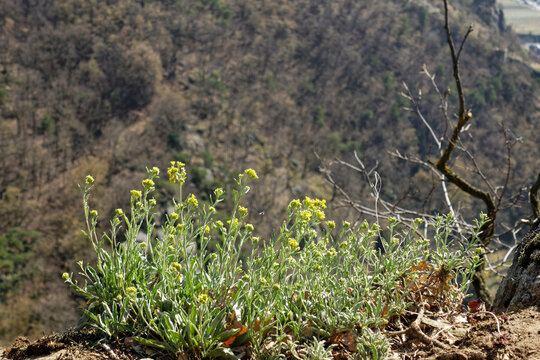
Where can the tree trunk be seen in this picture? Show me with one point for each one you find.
(521, 286)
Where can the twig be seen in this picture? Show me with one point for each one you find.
(535, 204)
(415, 331)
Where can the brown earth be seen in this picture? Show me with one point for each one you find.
(518, 337)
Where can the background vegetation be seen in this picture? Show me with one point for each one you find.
(106, 87)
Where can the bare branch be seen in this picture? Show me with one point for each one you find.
(469, 31)
(418, 112)
(442, 98)
(508, 164)
(535, 204)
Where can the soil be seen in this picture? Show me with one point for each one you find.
(519, 338)
(513, 336)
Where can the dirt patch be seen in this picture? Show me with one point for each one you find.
(480, 336)
(506, 337)
(72, 345)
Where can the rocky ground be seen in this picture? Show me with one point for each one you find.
(479, 335)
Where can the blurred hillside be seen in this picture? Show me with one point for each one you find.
(107, 87)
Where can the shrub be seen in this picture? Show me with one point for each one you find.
(312, 287)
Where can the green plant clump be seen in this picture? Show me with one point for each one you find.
(307, 291)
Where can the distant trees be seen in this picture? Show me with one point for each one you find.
(130, 75)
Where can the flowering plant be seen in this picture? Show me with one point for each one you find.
(313, 283)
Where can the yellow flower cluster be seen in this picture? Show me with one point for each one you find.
(218, 192)
(312, 208)
(135, 194)
(203, 298)
(293, 243)
(148, 183)
(295, 205)
(242, 211)
(192, 200)
(176, 266)
(251, 174)
(314, 204)
(131, 290)
(177, 172)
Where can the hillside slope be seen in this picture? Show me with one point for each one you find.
(109, 87)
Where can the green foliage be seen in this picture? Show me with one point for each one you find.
(15, 250)
(318, 115)
(47, 125)
(389, 83)
(310, 279)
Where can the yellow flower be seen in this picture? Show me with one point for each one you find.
(148, 183)
(154, 171)
(346, 225)
(131, 290)
(176, 266)
(65, 276)
(305, 215)
(89, 180)
(177, 172)
(242, 211)
(94, 213)
(331, 224)
(193, 201)
(173, 216)
(320, 215)
(203, 298)
(255, 240)
(251, 174)
(249, 227)
(135, 194)
(207, 229)
(292, 243)
(218, 192)
(331, 252)
(119, 212)
(295, 204)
